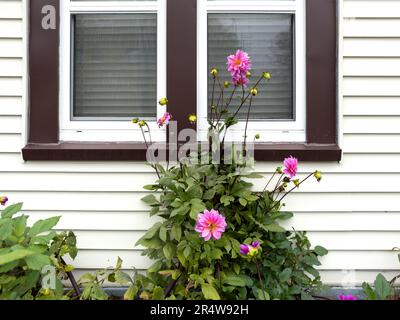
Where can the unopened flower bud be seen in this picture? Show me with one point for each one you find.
(267, 75)
(134, 121)
(296, 182)
(257, 136)
(142, 123)
(286, 179)
(318, 175)
(163, 102)
(214, 72)
(279, 170)
(254, 91)
(213, 108)
(192, 118)
(248, 74)
(3, 201)
(226, 84)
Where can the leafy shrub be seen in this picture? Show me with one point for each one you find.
(25, 251)
(245, 253)
(382, 289)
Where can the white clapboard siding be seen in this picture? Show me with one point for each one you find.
(354, 212)
(371, 106)
(10, 106)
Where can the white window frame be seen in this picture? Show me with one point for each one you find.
(110, 130)
(269, 130)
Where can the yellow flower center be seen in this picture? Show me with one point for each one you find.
(238, 62)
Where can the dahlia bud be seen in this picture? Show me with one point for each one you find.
(192, 118)
(248, 74)
(318, 175)
(3, 201)
(279, 170)
(163, 102)
(286, 179)
(226, 84)
(254, 91)
(142, 123)
(214, 72)
(135, 121)
(267, 75)
(257, 136)
(296, 182)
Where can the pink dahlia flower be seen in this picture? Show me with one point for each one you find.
(164, 120)
(347, 297)
(239, 65)
(290, 165)
(210, 224)
(3, 200)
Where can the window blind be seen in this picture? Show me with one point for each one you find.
(115, 65)
(268, 39)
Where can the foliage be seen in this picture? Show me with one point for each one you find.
(186, 266)
(382, 289)
(25, 251)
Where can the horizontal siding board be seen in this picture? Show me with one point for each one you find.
(134, 182)
(370, 67)
(348, 279)
(11, 86)
(371, 124)
(10, 124)
(11, 48)
(375, 106)
(11, 28)
(371, 47)
(370, 28)
(11, 9)
(10, 143)
(130, 201)
(11, 67)
(302, 221)
(332, 241)
(371, 86)
(371, 9)
(371, 143)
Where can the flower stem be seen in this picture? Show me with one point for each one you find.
(260, 279)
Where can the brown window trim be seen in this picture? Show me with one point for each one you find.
(322, 117)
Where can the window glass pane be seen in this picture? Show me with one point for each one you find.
(115, 65)
(268, 39)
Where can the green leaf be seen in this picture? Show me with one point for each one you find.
(235, 281)
(151, 187)
(169, 251)
(14, 256)
(321, 251)
(284, 276)
(131, 293)
(158, 294)
(273, 227)
(197, 206)
(155, 267)
(122, 278)
(11, 210)
(262, 295)
(150, 199)
(209, 194)
(163, 233)
(187, 252)
(180, 211)
(226, 200)
(20, 225)
(176, 232)
(6, 228)
(43, 226)
(369, 292)
(195, 191)
(254, 176)
(382, 287)
(243, 202)
(209, 292)
(151, 233)
(37, 261)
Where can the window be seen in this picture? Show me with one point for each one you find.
(112, 60)
(108, 61)
(273, 33)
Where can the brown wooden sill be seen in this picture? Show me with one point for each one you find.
(68, 151)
